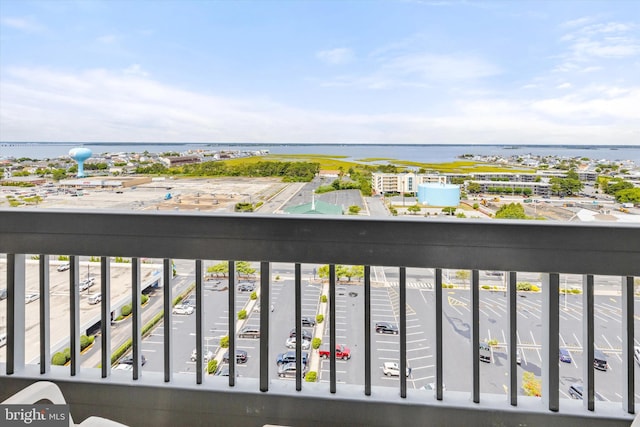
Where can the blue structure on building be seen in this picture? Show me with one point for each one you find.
(439, 194)
(80, 154)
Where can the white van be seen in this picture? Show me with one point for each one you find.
(95, 298)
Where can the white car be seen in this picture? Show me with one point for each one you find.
(123, 367)
(208, 355)
(636, 354)
(87, 283)
(30, 297)
(291, 343)
(392, 369)
(182, 309)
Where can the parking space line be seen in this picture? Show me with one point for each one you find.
(415, 333)
(577, 340)
(422, 357)
(414, 341)
(417, 368)
(534, 343)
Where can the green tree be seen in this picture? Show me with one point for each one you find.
(474, 188)
(244, 267)
(414, 209)
(354, 210)
(449, 210)
(220, 269)
(511, 211)
(630, 195)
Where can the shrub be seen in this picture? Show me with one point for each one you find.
(67, 353)
(486, 287)
(493, 342)
(157, 318)
(254, 295)
(323, 298)
(523, 286)
(576, 291)
(476, 206)
(126, 310)
(535, 288)
(311, 377)
(316, 343)
(242, 314)
(224, 341)
(86, 341)
(320, 318)
(278, 277)
(94, 259)
(212, 366)
(63, 258)
(58, 359)
(120, 351)
(531, 385)
(143, 299)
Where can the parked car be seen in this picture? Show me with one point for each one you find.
(290, 357)
(291, 343)
(208, 355)
(289, 370)
(86, 283)
(64, 267)
(392, 369)
(241, 356)
(95, 298)
(306, 335)
(30, 297)
(565, 356)
(246, 287)
(308, 321)
(636, 354)
(3, 340)
(342, 352)
(223, 371)
(485, 352)
(182, 309)
(128, 360)
(386, 328)
(256, 308)
(432, 386)
(249, 332)
(3, 293)
(575, 391)
(600, 360)
(123, 367)
(518, 358)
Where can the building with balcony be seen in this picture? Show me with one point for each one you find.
(168, 397)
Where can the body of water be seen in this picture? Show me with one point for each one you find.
(418, 153)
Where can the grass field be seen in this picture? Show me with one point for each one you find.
(330, 162)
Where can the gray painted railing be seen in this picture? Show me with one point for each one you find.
(514, 246)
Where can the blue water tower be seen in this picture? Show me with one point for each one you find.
(80, 154)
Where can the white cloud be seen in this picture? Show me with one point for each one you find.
(107, 39)
(99, 105)
(336, 56)
(433, 67)
(136, 70)
(564, 85)
(23, 24)
(602, 40)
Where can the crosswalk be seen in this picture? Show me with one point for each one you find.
(412, 285)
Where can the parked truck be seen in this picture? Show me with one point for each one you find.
(342, 352)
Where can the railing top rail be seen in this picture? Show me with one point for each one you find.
(591, 248)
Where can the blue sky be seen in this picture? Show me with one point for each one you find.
(334, 71)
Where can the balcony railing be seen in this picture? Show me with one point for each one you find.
(171, 399)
